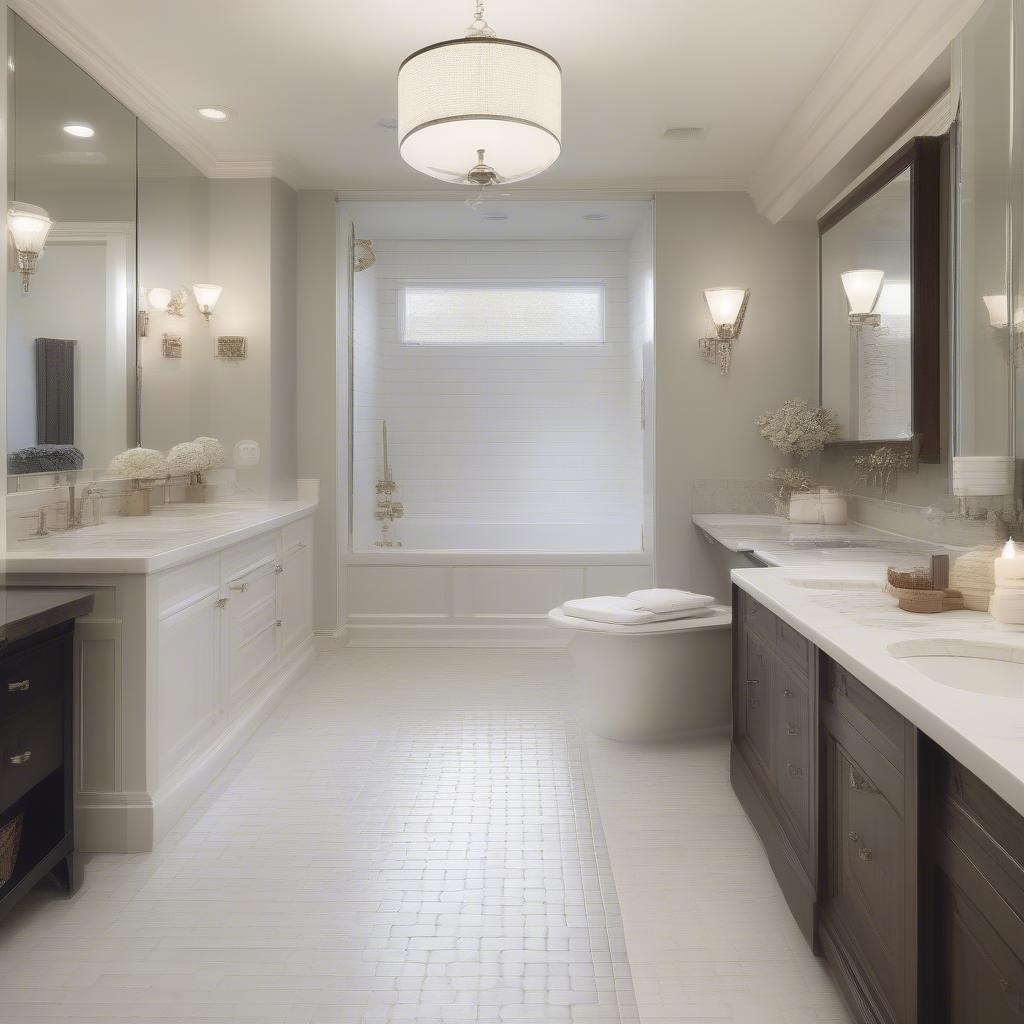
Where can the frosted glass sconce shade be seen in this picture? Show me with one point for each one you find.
(206, 298)
(480, 110)
(727, 307)
(158, 299)
(998, 307)
(862, 288)
(29, 227)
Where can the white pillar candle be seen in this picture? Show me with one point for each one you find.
(1010, 567)
(1008, 600)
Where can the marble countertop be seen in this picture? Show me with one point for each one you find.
(26, 611)
(777, 541)
(171, 535)
(841, 607)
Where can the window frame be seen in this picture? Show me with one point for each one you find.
(510, 284)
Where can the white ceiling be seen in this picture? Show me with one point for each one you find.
(308, 80)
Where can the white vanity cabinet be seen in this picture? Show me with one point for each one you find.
(175, 669)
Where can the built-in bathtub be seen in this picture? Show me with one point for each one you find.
(485, 584)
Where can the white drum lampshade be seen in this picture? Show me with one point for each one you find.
(862, 287)
(463, 96)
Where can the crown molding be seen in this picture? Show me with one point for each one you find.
(58, 23)
(890, 49)
(582, 193)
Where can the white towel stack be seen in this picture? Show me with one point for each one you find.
(640, 607)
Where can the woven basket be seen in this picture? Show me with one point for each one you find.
(10, 843)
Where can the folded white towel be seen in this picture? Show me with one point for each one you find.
(662, 600)
(621, 610)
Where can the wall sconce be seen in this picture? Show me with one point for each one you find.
(727, 307)
(998, 307)
(863, 287)
(206, 298)
(161, 300)
(29, 227)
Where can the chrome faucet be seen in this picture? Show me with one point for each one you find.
(76, 509)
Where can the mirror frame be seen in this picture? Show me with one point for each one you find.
(923, 156)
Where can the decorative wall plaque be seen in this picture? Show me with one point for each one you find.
(172, 346)
(231, 346)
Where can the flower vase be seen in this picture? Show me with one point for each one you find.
(136, 500)
(821, 506)
(196, 493)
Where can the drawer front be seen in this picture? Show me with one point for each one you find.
(759, 620)
(31, 746)
(33, 677)
(252, 630)
(795, 648)
(297, 535)
(867, 875)
(244, 559)
(794, 732)
(755, 692)
(881, 725)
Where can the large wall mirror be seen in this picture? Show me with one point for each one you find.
(71, 357)
(880, 304)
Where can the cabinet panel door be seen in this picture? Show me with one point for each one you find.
(983, 977)
(252, 632)
(756, 693)
(794, 731)
(188, 681)
(296, 580)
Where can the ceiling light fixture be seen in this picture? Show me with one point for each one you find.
(214, 113)
(79, 131)
(480, 110)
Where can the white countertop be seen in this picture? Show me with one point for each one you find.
(849, 616)
(171, 535)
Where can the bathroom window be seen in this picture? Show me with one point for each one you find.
(503, 313)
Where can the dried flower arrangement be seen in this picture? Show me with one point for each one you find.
(798, 430)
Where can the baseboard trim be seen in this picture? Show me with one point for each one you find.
(136, 822)
(539, 636)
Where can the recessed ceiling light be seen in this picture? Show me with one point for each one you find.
(388, 123)
(595, 216)
(685, 132)
(495, 216)
(79, 131)
(213, 113)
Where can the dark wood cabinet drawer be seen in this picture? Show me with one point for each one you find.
(795, 648)
(881, 725)
(33, 677)
(759, 620)
(31, 746)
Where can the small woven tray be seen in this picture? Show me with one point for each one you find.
(927, 602)
(10, 843)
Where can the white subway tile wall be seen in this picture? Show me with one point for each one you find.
(538, 434)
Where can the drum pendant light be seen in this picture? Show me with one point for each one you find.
(480, 110)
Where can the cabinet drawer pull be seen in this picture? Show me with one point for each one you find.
(792, 730)
(279, 623)
(222, 602)
(865, 853)
(22, 758)
(795, 770)
(861, 782)
(242, 588)
(787, 692)
(278, 569)
(854, 837)
(21, 686)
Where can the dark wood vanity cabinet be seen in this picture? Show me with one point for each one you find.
(903, 869)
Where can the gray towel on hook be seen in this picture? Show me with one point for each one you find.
(55, 391)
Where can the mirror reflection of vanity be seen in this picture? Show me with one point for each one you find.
(880, 304)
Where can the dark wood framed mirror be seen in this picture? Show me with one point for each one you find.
(880, 295)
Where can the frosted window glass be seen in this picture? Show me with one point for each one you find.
(563, 313)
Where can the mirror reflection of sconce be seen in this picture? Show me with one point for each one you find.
(206, 298)
(29, 227)
(727, 308)
(863, 288)
(161, 300)
(998, 309)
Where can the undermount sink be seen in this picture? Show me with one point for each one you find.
(988, 669)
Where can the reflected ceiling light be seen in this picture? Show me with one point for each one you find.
(998, 307)
(206, 298)
(863, 288)
(214, 113)
(29, 227)
(480, 110)
(727, 308)
(79, 131)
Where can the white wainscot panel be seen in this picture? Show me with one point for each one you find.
(398, 590)
(513, 590)
(617, 579)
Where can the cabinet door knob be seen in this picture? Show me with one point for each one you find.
(22, 758)
(222, 602)
(279, 569)
(792, 730)
(242, 588)
(21, 686)
(795, 770)
(865, 853)
(861, 782)
(854, 837)
(754, 702)
(787, 692)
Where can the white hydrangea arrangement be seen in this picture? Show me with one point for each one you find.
(213, 452)
(139, 464)
(798, 430)
(186, 459)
